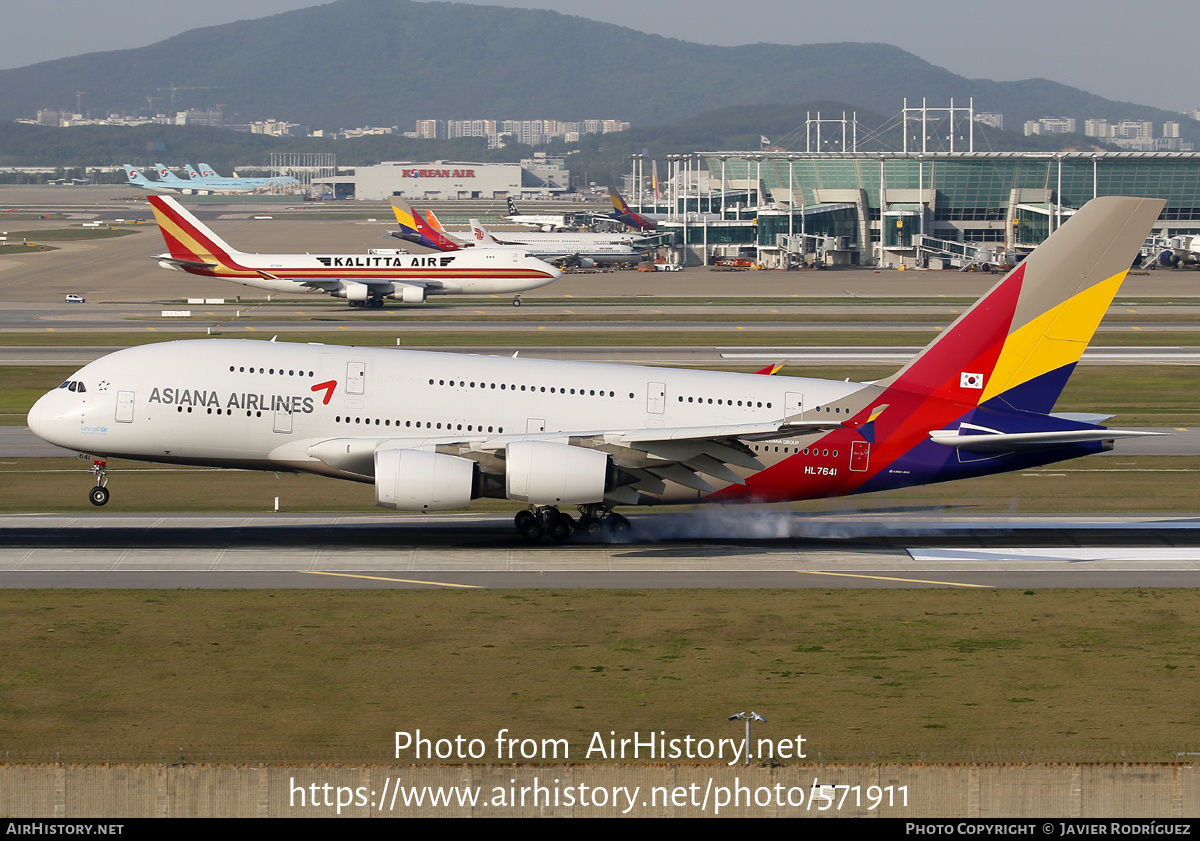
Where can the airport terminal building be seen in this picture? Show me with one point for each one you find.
(873, 208)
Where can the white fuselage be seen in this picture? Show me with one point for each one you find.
(605, 249)
(501, 272)
(264, 405)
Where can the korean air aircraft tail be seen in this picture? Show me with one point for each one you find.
(190, 242)
(136, 179)
(207, 171)
(165, 175)
(191, 173)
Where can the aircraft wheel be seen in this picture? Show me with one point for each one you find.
(531, 530)
(561, 527)
(98, 496)
(522, 518)
(589, 526)
(617, 526)
(516, 302)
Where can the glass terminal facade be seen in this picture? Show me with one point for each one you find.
(878, 205)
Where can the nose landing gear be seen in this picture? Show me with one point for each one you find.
(99, 494)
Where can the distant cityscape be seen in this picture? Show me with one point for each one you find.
(528, 132)
(1134, 135)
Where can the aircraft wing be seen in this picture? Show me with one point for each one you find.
(334, 284)
(647, 458)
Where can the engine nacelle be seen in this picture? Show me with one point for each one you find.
(408, 293)
(587, 263)
(352, 291)
(548, 473)
(418, 480)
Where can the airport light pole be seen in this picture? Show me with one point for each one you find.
(748, 718)
(637, 180)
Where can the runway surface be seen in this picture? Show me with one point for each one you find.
(711, 548)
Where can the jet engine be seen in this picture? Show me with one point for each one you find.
(548, 473)
(408, 293)
(353, 291)
(418, 480)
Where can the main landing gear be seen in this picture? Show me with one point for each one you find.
(517, 301)
(99, 494)
(594, 521)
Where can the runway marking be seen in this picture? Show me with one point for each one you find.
(886, 578)
(1080, 554)
(398, 580)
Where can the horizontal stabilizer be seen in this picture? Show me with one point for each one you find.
(175, 263)
(1008, 441)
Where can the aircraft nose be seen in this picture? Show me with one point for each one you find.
(36, 417)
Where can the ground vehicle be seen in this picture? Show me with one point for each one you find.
(74, 299)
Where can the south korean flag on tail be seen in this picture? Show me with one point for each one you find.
(969, 380)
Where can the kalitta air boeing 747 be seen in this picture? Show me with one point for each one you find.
(362, 279)
(434, 431)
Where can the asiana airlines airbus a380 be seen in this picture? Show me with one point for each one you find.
(434, 431)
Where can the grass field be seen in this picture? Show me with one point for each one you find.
(933, 675)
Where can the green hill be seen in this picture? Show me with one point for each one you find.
(390, 62)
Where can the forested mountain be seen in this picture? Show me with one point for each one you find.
(390, 62)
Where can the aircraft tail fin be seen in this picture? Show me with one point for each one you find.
(512, 207)
(482, 235)
(207, 171)
(191, 172)
(618, 203)
(1018, 345)
(411, 220)
(434, 222)
(404, 213)
(188, 239)
(135, 176)
(164, 174)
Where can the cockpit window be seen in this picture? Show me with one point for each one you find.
(64, 385)
(81, 388)
(72, 386)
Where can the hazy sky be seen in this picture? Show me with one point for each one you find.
(1140, 52)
